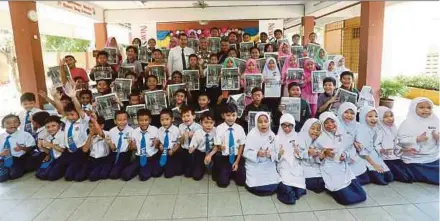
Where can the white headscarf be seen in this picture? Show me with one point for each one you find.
(257, 139)
(303, 135)
(366, 134)
(284, 139)
(352, 126)
(267, 73)
(339, 69)
(414, 125)
(339, 130)
(389, 131)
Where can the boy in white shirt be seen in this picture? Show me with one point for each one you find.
(14, 146)
(75, 132)
(97, 149)
(201, 144)
(146, 163)
(28, 102)
(169, 136)
(187, 130)
(52, 167)
(229, 163)
(40, 133)
(119, 140)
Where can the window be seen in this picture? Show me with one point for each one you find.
(356, 32)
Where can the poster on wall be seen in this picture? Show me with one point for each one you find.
(144, 31)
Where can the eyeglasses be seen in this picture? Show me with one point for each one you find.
(287, 125)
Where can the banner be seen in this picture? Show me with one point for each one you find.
(144, 31)
(269, 26)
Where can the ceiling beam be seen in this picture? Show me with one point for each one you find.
(197, 14)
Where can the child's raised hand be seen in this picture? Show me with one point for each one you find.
(422, 138)
(358, 146)
(261, 153)
(268, 153)
(313, 152)
(328, 153)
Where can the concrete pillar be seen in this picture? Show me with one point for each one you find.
(371, 42)
(308, 23)
(100, 35)
(28, 48)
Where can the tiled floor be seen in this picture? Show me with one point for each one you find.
(184, 199)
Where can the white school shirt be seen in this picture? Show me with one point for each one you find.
(79, 131)
(367, 136)
(412, 127)
(41, 134)
(183, 128)
(199, 138)
(289, 165)
(336, 174)
(87, 107)
(59, 140)
(222, 137)
(175, 58)
(98, 147)
(127, 135)
(310, 165)
(173, 135)
(17, 138)
(150, 136)
(260, 171)
(22, 116)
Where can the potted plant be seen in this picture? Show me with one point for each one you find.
(388, 89)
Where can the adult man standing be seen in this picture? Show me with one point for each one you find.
(178, 56)
(223, 54)
(203, 52)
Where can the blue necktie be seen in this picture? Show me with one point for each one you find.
(8, 159)
(118, 148)
(231, 146)
(207, 146)
(84, 107)
(72, 145)
(143, 155)
(27, 123)
(46, 164)
(166, 144)
(189, 138)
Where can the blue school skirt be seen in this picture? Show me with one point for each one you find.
(400, 172)
(265, 190)
(289, 194)
(425, 172)
(315, 184)
(351, 194)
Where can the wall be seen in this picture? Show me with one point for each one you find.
(165, 26)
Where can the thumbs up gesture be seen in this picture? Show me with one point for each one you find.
(422, 138)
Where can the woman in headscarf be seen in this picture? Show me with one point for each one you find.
(320, 59)
(337, 175)
(291, 62)
(112, 43)
(262, 178)
(251, 68)
(309, 67)
(192, 34)
(309, 155)
(293, 183)
(228, 63)
(347, 119)
(387, 145)
(419, 137)
(366, 136)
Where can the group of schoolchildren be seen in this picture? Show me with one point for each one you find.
(332, 152)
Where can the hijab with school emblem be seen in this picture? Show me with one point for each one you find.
(414, 125)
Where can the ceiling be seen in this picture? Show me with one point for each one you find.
(113, 5)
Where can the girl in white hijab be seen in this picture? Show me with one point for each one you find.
(262, 178)
(419, 137)
(310, 162)
(387, 145)
(347, 119)
(293, 183)
(336, 172)
(339, 65)
(366, 136)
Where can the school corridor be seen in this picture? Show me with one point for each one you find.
(181, 198)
